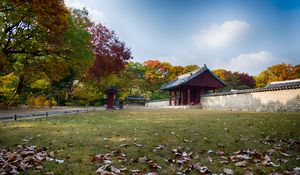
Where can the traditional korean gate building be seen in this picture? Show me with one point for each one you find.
(187, 88)
(111, 94)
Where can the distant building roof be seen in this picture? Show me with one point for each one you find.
(286, 83)
(278, 85)
(184, 78)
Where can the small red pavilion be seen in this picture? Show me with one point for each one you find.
(187, 88)
(111, 93)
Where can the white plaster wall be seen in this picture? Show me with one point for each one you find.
(279, 100)
(157, 104)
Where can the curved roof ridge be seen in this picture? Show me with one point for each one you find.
(184, 78)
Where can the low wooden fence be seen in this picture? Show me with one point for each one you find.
(47, 114)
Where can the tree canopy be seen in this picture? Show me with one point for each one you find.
(278, 72)
(235, 80)
(111, 53)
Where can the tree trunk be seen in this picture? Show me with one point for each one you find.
(50, 102)
(18, 90)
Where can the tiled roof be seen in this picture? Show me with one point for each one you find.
(289, 83)
(184, 78)
(279, 85)
(135, 98)
(111, 89)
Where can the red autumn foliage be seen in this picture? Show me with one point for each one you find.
(235, 80)
(111, 53)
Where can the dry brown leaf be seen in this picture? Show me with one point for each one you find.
(220, 153)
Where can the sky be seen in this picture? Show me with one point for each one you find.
(238, 35)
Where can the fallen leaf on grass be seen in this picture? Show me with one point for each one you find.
(285, 154)
(221, 145)
(153, 165)
(115, 170)
(151, 173)
(143, 159)
(239, 157)
(102, 170)
(268, 163)
(220, 153)
(138, 145)
(135, 171)
(105, 139)
(186, 141)
(123, 145)
(228, 171)
(283, 160)
(107, 162)
(23, 158)
(51, 154)
(209, 159)
(161, 147)
(241, 164)
(210, 151)
(271, 151)
(201, 168)
(223, 162)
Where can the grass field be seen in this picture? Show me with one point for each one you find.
(208, 137)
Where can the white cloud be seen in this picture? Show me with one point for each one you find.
(252, 63)
(219, 35)
(95, 14)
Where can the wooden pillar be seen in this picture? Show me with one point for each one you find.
(189, 95)
(201, 92)
(198, 96)
(170, 98)
(181, 97)
(175, 93)
(184, 97)
(178, 102)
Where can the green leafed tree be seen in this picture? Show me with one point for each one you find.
(29, 32)
(41, 41)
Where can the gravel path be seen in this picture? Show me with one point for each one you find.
(39, 113)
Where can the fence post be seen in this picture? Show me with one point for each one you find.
(77, 110)
(15, 116)
(65, 112)
(46, 114)
(94, 109)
